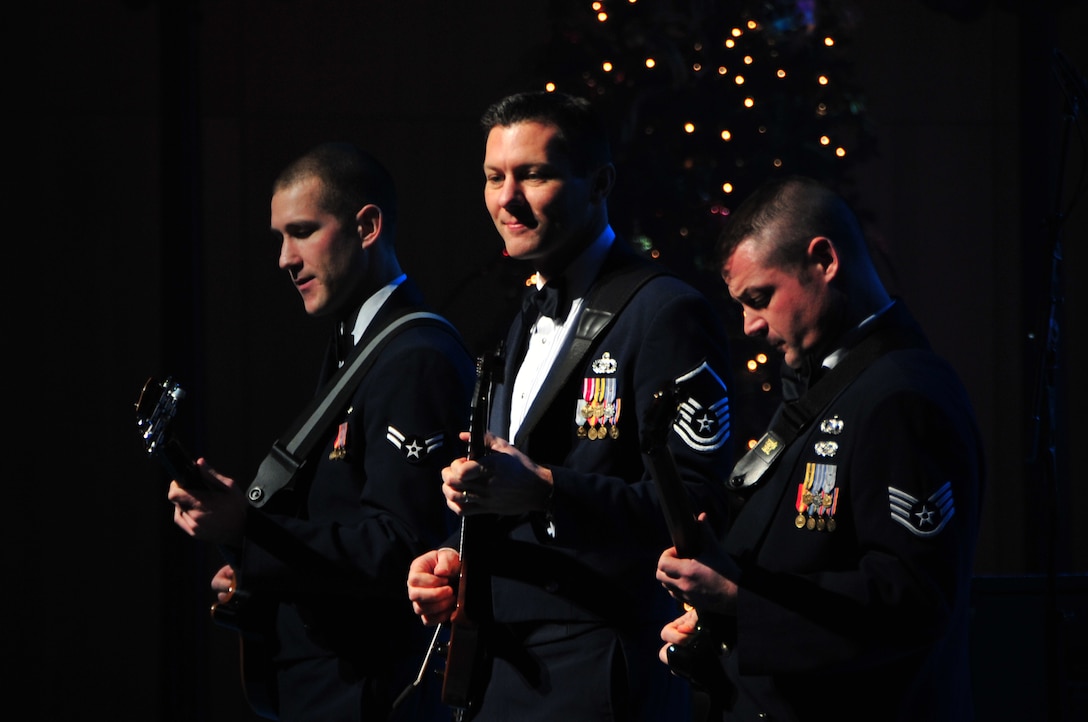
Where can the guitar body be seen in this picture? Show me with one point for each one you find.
(467, 662)
(698, 660)
(253, 621)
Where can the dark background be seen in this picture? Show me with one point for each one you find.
(156, 129)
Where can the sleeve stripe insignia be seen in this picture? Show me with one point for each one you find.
(414, 448)
(703, 426)
(924, 517)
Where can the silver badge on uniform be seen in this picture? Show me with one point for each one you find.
(826, 448)
(831, 426)
(604, 365)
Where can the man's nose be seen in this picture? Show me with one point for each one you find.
(288, 257)
(754, 325)
(510, 193)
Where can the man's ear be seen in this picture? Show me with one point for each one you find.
(369, 223)
(603, 180)
(822, 253)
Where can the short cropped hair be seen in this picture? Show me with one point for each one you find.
(351, 178)
(784, 214)
(581, 131)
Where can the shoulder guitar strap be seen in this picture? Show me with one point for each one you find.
(284, 460)
(794, 416)
(604, 301)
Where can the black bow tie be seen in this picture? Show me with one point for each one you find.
(550, 301)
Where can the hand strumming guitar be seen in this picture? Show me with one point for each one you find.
(705, 582)
(224, 584)
(432, 585)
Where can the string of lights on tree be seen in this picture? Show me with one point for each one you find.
(707, 99)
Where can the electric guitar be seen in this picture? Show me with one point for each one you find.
(240, 613)
(698, 658)
(467, 661)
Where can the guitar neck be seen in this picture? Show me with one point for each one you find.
(179, 464)
(670, 487)
(464, 677)
(674, 502)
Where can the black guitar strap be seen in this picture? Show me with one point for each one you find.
(604, 301)
(285, 459)
(794, 416)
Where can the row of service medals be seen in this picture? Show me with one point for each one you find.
(598, 409)
(817, 497)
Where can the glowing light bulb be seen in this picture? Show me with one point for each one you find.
(650, 62)
(739, 79)
(749, 102)
(606, 66)
(726, 135)
(840, 152)
(822, 80)
(689, 128)
(824, 140)
(727, 187)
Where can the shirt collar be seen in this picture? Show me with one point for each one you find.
(370, 307)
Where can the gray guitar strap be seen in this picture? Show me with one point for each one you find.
(285, 459)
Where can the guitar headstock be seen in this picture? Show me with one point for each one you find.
(489, 369)
(156, 410)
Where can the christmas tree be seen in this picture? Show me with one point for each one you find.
(707, 99)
